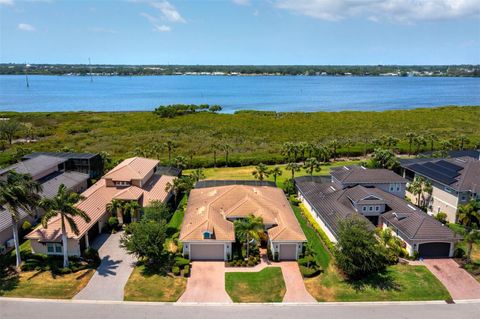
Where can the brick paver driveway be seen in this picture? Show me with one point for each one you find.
(111, 276)
(457, 280)
(206, 283)
(296, 291)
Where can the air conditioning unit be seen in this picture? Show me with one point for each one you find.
(10, 243)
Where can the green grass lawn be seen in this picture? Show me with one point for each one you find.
(245, 172)
(254, 136)
(153, 287)
(322, 255)
(263, 286)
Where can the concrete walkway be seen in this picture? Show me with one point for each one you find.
(459, 283)
(206, 283)
(111, 276)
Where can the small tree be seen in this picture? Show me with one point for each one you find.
(8, 129)
(133, 209)
(312, 165)
(249, 228)
(384, 158)
(116, 207)
(293, 167)
(197, 175)
(359, 253)
(261, 172)
(469, 216)
(170, 146)
(275, 172)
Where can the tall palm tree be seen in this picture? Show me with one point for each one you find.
(133, 208)
(180, 162)
(215, 148)
(227, 148)
(170, 146)
(347, 143)
(116, 207)
(63, 205)
(276, 171)
(312, 165)
(463, 141)
(410, 136)
(293, 167)
(322, 153)
(431, 138)
(469, 216)
(419, 141)
(249, 228)
(197, 174)
(334, 146)
(261, 172)
(18, 193)
(176, 187)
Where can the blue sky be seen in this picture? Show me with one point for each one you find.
(241, 31)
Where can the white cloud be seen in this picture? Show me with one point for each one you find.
(242, 2)
(6, 2)
(405, 11)
(161, 28)
(168, 11)
(26, 27)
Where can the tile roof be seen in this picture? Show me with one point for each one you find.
(132, 168)
(34, 166)
(66, 155)
(209, 208)
(362, 175)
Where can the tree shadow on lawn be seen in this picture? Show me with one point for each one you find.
(382, 280)
(9, 280)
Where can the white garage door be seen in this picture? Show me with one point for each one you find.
(288, 251)
(207, 252)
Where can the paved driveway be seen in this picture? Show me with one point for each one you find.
(296, 291)
(457, 280)
(206, 283)
(111, 276)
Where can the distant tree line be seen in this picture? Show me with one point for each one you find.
(174, 110)
(338, 70)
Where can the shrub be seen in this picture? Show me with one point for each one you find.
(26, 226)
(176, 270)
(113, 222)
(289, 187)
(275, 256)
(186, 271)
(459, 252)
(181, 262)
(91, 256)
(309, 272)
(294, 200)
(441, 217)
(317, 227)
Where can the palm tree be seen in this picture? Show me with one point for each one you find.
(261, 172)
(334, 146)
(293, 167)
(176, 187)
(312, 165)
(197, 174)
(431, 137)
(276, 171)
(227, 148)
(215, 147)
(180, 162)
(347, 144)
(18, 193)
(249, 228)
(419, 141)
(469, 216)
(170, 146)
(116, 207)
(322, 153)
(410, 136)
(63, 205)
(132, 208)
(463, 141)
(416, 188)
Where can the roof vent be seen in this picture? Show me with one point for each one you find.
(400, 216)
(363, 167)
(411, 207)
(346, 168)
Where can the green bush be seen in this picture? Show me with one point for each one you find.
(309, 272)
(317, 227)
(26, 226)
(294, 200)
(181, 262)
(91, 256)
(186, 271)
(441, 217)
(459, 252)
(176, 270)
(113, 222)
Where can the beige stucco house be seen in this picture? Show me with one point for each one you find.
(208, 231)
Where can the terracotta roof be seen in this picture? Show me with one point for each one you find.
(211, 208)
(362, 175)
(132, 168)
(95, 202)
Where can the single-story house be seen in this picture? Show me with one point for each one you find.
(136, 179)
(208, 232)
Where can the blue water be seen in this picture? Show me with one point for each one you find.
(278, 93)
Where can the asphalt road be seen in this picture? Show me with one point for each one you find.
(15, 308)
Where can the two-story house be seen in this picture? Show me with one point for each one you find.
(134, 179)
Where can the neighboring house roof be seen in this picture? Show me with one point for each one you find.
(209, 209)
(34, 166)
(132, 168)
(475, 154)
(66, 155)
(335, 206)
(50, 186)
(362, 175)
(461, 174)
(97, 197)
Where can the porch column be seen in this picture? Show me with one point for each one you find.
(87, 241)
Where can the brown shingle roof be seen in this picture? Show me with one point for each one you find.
(209, 208)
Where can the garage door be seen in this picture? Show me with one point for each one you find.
(434, 250)
(207, 252)
(288, 251)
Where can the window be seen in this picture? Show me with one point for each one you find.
(122, 183)
(377, 208)
(54, 248)
(370, 208)
(398, 187)
(364, 208)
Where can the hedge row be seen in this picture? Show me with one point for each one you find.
(317, 227)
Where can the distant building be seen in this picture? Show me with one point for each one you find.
(455, 181)
(50, 172)
(374, 195)
(88, 163)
